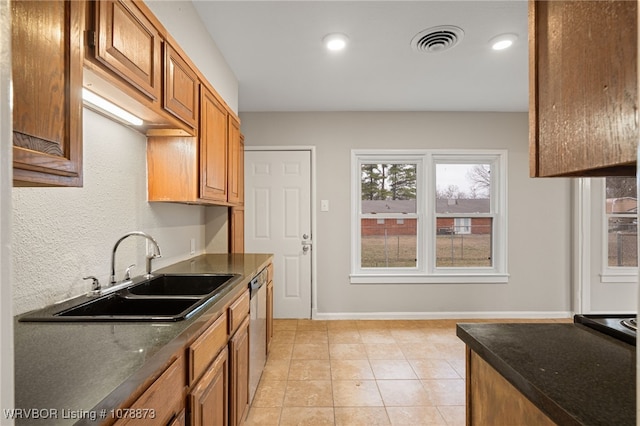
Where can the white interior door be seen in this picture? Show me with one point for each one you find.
(278, 221)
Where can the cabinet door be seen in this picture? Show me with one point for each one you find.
(179, 419)
(583, 88)
(180, 88)
(239, 367)
(46, 59)
(236, 234)
(129, 45)
(213, 148)
(236, 163)
(208, 401)
(162, 402)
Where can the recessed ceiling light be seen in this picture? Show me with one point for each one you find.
(503, 41)
(335, 41)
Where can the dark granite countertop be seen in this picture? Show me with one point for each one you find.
(574, 374)
(76, 370)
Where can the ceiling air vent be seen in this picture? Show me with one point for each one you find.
(437, 39)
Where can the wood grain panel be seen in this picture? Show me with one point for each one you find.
(236, 227)
(47, 104)
(129, 45)
(206, 347)
(208, 401)
(239, 367)
(493, 401)
(583, 79)
(213, 147)
(238, 311)
(236, 163)
(165, 396)
(180, 88)
(172, 168)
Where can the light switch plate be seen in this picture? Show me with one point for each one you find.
(324, 205)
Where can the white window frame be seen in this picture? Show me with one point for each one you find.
(610, 274)
(425, 270)
(387, 157)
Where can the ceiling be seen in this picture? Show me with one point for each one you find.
(275, 50)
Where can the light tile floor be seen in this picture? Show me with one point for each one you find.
(372, 372)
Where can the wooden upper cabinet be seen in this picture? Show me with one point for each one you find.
(213, 147)
(583, 88)
(47, 92)
(180, 88)
(236, 229)
(236, 163)
(127, 43)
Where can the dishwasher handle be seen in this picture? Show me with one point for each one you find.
(257, 282)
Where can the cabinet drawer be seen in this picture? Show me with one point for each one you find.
(163, 398)
(238, 311)
(206, 347)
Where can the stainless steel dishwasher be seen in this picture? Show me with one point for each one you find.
(257, 330)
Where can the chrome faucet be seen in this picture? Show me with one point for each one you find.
(156, 254)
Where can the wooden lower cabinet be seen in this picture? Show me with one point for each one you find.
(208, 383)
(239, 368)
(208, 400)
(493, 401)
(162, 402)
(179, 419)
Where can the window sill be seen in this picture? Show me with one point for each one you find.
(619, 277)
(493, 278)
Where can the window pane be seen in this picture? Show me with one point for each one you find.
(463, 188)
(621, 195)
(388, 188)
(622, 209)
(387, 243)
(464, 242)
(623, 241)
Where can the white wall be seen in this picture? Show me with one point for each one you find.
(6, 320)
(538, 211)
(184, 24)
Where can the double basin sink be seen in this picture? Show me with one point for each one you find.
(161, 298)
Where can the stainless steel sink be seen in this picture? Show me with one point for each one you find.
(162, 298)
(181, 285)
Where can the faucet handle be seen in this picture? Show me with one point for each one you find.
(95, 283)
(127, 273)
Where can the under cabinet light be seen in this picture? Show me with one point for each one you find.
(110, 108)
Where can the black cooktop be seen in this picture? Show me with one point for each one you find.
(620, 326)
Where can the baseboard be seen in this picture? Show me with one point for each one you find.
(441, 315)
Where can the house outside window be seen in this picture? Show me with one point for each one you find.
(621, 224)
(428, 216)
